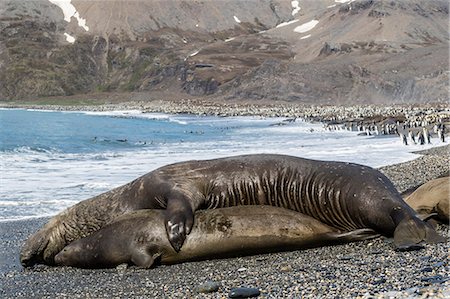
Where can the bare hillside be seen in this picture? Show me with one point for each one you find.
(321, 51)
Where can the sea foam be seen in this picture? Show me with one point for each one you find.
(42, 180)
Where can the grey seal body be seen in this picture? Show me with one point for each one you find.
(343, 195)
(140, 237)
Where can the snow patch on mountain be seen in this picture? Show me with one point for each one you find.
(70, 11)
(306, 26)
(286, 23)
(69, 38)
(295, 7)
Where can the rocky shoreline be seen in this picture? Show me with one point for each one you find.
(368, 269)
(275, 109)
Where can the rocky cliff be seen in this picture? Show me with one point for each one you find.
(325, 51)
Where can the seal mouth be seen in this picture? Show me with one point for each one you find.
(29, 260)
(32, 252)
(59, 259)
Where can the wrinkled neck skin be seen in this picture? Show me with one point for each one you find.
(344, 195)
(381, 206)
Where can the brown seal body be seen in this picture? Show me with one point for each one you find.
(343, 195)
(432, 197)
(140, 237)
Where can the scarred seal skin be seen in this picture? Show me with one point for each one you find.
(140, 237)
(432, 197)
(343, 195)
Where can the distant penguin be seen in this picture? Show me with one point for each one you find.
(411, 136)
(421, 138)
(426, 135)
(403, 138)
(441, 135)
(435, 128)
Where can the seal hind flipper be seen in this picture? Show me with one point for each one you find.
(356, 235)
(412, 233)
(426, 217)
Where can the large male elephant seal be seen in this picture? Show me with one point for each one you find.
(343, 195)
(140, 237)
(432, 197)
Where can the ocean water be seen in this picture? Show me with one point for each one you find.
(52, 160)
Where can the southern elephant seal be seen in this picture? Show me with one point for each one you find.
(140, 237)
(346, 196)
(432, 197)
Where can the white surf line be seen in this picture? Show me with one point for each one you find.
(70, 11)
(236, 19)
(306, 26)
(295, 7)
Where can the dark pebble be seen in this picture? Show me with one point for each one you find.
(438, 264)
(345, 258)
(379, 281)
(410, 247)
(209, 287)
(244, 293)
(424, 258)
(434, 279)
(426, 269)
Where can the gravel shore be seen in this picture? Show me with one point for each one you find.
(368, 269)
(277, 109)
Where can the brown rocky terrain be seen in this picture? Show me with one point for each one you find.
(326, 52)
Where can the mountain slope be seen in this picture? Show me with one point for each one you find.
(325, 51)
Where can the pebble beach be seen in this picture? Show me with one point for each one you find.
(367, 269)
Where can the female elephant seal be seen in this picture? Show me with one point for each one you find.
(343, 195)
(140, 237)
(432, 197)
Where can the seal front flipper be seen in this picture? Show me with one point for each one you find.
(145, 258)
(179, 220)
